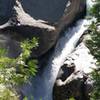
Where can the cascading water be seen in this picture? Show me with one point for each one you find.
(43, 84)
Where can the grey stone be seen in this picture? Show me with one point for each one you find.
(76, 85)
(73, 78)
(48, 10)
(9, 44)
(5, 10)
(43, 19)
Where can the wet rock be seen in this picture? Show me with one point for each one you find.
(73, 78)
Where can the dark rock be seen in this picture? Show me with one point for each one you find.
(40, 19)
(10, 44)
(5, 10)
(73, 78)
(48, 10)
(65, 71)
(74, 86)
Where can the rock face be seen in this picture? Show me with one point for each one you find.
(73, 78)
(5, 10)
(48, 10)
(11, 45)
(41, 19)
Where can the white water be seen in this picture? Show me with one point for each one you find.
(43, 84)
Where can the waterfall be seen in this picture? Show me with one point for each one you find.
(43, 84)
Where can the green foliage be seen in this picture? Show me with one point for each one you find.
(71, 98)
(27, 45)
(25, 98)
(15, 71)
(95, 11)
(95, 95)
(94, 42)
(94, 46)
(7, 94)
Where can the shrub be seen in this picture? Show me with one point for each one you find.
(15, 71)
(94, 46)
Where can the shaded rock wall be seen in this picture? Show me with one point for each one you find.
(11, 45)
(5, 10)
(23, 20)
(48, 10)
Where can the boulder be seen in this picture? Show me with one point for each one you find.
(75, 85)
(42, 19)
(73, 78)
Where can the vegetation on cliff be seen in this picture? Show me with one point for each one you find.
(94, 45)
(15, 71)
